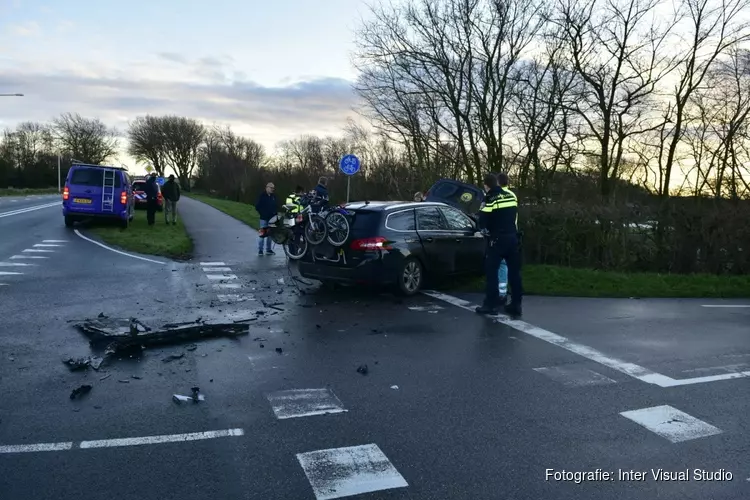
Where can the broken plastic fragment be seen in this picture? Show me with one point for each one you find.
(178, 398)
(80, 391)
(394, 387)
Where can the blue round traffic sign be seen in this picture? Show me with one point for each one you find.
(349, 164)
(160, 181)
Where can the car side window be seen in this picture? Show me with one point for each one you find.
(457, 220)
(429, 219)
(401, 221)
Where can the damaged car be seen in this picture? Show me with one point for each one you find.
(405, 244)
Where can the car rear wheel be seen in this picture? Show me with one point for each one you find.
(411, 277)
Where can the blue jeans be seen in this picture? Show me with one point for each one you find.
(502, 278)
(263, 224)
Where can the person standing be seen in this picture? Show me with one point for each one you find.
(171, 191)
(502, 273)
(294, 199)
(321, 194)
(498, 216)
(266, 207)
(152, 196)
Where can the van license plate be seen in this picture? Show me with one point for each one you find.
(84, 201)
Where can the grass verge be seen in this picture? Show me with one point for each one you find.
(574, 282)
(26, 191)
(161, 239)
(240, 211)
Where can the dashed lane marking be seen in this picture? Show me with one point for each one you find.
(630, 369)
(38, 250)
(29, 257)
(671, 423)
(574, 376)
(343, 472)
(14, 264)
(234, 297)
(217, 277)
(212, 264)
(43, 245)
(113, 443)
(232, 286)
(217, 269)
(31, 448)
(54, 241)
(297, 403)
(9, 273)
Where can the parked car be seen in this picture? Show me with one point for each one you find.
(139, 193)
(405, 244)
(97, 191)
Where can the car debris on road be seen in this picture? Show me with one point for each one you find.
(80, 391)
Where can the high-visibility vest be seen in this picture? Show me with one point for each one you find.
(293, 199)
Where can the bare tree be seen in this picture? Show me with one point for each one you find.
(86, 140)
(619, 52)
(182, 138)
(146, 142)
(712, 27)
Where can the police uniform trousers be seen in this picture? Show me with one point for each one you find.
(504, 246)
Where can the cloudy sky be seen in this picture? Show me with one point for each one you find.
(271, 69)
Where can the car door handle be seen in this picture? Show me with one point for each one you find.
(429, 240)
(459, 240)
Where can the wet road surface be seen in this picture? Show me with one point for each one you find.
(452, 405)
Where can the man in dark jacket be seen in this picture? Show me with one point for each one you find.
(171, 192)
(266, 207)
(152, 196)
(321, 194)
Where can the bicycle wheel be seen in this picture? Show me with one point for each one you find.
(315, 230)
(337, 228)
(296, 247)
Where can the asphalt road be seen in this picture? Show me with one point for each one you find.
(453, 405)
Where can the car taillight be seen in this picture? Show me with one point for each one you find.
(377, 243)
(66, 193)
(124, 197)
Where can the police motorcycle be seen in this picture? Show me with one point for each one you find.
(288, 229)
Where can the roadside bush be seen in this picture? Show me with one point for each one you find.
(700, 236)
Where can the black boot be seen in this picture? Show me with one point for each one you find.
(484, 309)
(513, 310)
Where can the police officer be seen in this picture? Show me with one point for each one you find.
(499, 217)
(294, 199)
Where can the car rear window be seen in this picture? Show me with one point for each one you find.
(366, 223)
(91, 177)
(139, 186)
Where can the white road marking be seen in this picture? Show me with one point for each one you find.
(9, 273)
(4, 284)
(217, 269)
(14, 264)
(212, 264)
(172, 438)
(20, 211)
(227, 285)
(37, 250)
(574, 376)
(29, 257)
(116, 251)
(44, 245)
(343, 472)
(30, 448)
(671, 423)
(727, 305)
(234, 297)
(221, 276)
(630, 369)
(429, 308)
(304, 403)
(54, 241)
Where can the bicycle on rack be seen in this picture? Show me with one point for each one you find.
(288, 231)
(332, 224)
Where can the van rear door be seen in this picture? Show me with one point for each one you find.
(85, 186)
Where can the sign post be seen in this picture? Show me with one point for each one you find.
(349, 165)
